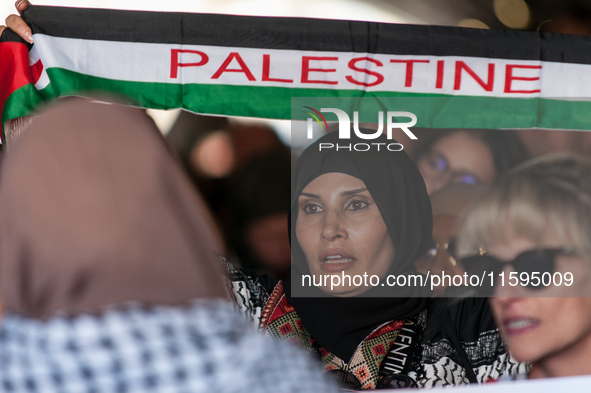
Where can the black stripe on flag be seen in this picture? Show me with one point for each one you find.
(10, 36)
(305, 34)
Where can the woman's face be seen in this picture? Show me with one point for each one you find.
(539, 329)
(341, 231)
(457, 157)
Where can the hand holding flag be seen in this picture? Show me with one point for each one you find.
(17, 24)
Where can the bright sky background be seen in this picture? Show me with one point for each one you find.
(331, 9)
(334, 9)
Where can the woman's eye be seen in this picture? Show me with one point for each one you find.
(468, 179)
(312, 209)
(438, 163)
(357, 205)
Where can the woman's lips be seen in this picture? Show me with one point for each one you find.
(336, 261)
(520, 325)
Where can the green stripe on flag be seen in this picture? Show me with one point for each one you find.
(21, 103)
(438, 111)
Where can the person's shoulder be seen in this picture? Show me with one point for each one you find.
(245, 360)
(469, 316)
(461, 342)
(209, 349)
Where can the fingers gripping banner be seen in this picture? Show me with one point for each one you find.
(253, 66)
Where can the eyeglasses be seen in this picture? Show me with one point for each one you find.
(541, 260)
(434, 167)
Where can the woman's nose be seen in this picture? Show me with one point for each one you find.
(333, 225)
(505, 302)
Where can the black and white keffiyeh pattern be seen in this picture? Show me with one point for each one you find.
(246, 292)
(441, 365)
(205, 347)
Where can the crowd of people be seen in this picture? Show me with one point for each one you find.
(130, 264)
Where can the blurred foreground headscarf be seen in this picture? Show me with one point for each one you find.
(95, 212)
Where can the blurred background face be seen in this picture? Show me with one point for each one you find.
(540, 328)
(458, 157)
(340, 229)
(267, 238)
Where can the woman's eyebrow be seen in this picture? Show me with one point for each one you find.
(344, 193)
(306, 194)
(353, 192)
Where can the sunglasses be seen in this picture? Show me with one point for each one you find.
(540, 260)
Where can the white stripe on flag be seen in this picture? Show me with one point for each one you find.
(43, 80)
(183, 64)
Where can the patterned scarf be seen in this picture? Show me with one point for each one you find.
(280, 322)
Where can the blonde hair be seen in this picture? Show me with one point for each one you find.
(549, 193)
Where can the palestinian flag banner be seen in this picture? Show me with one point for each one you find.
(253, 66)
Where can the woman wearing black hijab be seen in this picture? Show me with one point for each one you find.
(355, 212)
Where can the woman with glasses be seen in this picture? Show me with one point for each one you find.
(468, 156)
(531, 233)
(367, 214)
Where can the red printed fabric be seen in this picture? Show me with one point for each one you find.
(280, 322)
(14, 65)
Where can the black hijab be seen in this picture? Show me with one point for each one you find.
(391, 177)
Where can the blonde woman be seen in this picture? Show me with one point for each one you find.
(532, 232)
